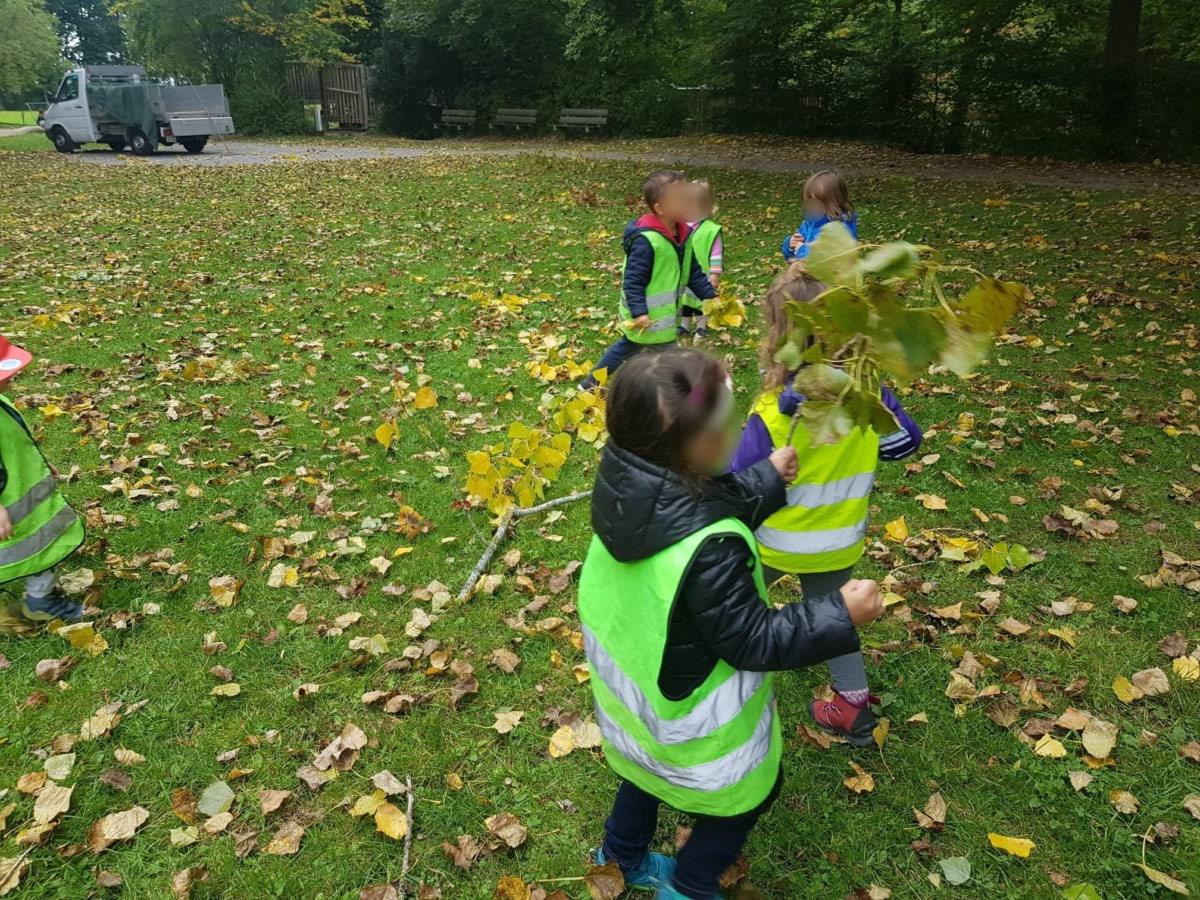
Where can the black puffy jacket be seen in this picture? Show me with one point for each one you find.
(640, 509)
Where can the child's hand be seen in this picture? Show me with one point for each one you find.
(795, 241)
(863, 600)
(715, 280)
(5, 525)
(784, 461)
(641, 323)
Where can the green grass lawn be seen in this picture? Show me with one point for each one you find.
(215, 350)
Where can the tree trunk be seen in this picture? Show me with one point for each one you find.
(1118, 79)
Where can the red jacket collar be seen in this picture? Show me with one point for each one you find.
(651, 221)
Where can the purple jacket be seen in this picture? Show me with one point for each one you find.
(756, 444)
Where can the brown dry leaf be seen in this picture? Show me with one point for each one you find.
(31, 782)
(183, 804)
(102, 722)
(298, 614)
(822, 740)
(51, 670)
(1190, 750)
(504, 660)
(466, 685)
(391, 821)
(1172, 645)
(342, 752)
(108, 879)
(270, 800)
(118, 826)
(224, 590)
(1073, 719)
(861, 781)
(933, 817)
(960, 687)
(52, 802)
(1192, 804)
(1080, 780)
(1013, 626)
(387, 782)
(380, 892)
(605, 882)
(286, 840)
(1124, 605)
(183, 881)
(931, 501)
(1099, 738)
(11, 872)
(466, 851)
(1151, 682)
(128, 757)
(1123, 802)
(507, 829)
(507, 720)
(1002, 711)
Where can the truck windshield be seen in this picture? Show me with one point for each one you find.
(69, 89)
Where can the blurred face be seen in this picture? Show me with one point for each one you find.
(676, 203)
(813, 208)
(710, 451)
(701, 203)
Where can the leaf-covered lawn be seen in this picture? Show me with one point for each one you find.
(216, 352)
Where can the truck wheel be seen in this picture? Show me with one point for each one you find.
(62, 140)
(140, 144)
(116, 144)
(194, 144)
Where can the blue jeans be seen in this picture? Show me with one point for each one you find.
(620, 350)
(714, 846)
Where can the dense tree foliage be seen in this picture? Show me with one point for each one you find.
(1090, 78)
(29, 57)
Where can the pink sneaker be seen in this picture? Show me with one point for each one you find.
(840, 716)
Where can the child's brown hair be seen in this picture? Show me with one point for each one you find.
(659, 401)
(705, 192)
(657, 183)
(793, 283)
(829, 188)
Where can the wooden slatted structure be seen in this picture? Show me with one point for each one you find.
(342, 90)
(461, 119)
(515, 118)
(582, 119)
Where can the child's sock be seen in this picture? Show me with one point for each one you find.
(848, 674)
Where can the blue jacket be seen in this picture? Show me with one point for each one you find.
(808, 230)
(639, 263)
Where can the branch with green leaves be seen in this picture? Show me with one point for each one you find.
(884, 314)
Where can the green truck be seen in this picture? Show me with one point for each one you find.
(121, 107)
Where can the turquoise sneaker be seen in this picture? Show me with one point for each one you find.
(53, 606)
(654, 872)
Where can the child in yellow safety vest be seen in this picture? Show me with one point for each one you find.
(818, 536)
(38, 529)
(708, 246)
(679, 636)
(659, 266)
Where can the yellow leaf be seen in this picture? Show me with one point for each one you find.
(1066, 635)
(390, 820)
(232, 689)
(426, 398)
(283, 576)
(1187, 667)
(861, 781)
(368, 804)
(896, 530)
(1125, 690)
(1171, 884)
(562, 742)
(1048, 746)
(1021, 847)
(880, 732)
(932, 501)
(386, 433)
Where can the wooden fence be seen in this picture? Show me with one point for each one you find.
(342, 90)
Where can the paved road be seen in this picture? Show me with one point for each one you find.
(936, 168)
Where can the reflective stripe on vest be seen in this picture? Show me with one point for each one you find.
(708, 777)
(716, 751)
(716, 710)
(32, 499)
(668, 275)
(45, 530)
(702, 237)
(28, 547)
(823, 526)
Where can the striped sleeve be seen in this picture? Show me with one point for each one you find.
(716, 256)
(902, 443)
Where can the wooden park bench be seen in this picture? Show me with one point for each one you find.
(457, 118)
(515, 119)
(582, 119)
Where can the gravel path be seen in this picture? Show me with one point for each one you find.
(935, 168)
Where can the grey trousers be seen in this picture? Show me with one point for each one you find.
(847, 673)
